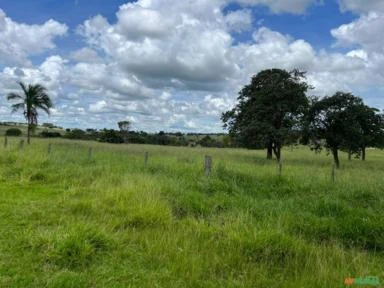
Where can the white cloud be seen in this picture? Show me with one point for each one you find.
(364, 32)
(191, 55)
(239, 20)
(362, 6)
(136, 22)
(106, 80)
(50, 73)
(97, 107)
(18, 41)
(280, 6)
(86, 55)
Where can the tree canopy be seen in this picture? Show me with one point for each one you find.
(124, 126)
(343, 121)
(269, 110)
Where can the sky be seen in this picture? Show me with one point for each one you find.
(176, 65)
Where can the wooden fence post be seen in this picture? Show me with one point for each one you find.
(49, 148)
(280, 168)
(90, 150)
(333, 172)
(5, 141)
(21, 144)
(208, 165)
(146, 156)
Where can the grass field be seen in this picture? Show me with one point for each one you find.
(110, 221)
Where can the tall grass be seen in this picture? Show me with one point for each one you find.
(112, 221)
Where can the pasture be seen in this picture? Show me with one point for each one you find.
(70, 219)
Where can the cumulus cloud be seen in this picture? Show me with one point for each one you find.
(239, 20)
(191, 55)
(137, 21)
(18, 41)
(86, 55)
(50, 72)
(363, 32)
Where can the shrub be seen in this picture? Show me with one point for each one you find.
(111, 136)
(46, 134)
(13, 132)
(78, 248)
(274, 248)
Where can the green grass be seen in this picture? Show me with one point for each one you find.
(109, 221)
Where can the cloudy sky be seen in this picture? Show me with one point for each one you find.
(176, 65)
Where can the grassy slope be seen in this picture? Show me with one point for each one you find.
(23, 128)
(111, 222)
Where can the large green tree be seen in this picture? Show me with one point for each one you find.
(332, 122)
(269, 110)
(32, 99)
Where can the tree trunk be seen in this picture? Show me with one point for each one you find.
(29, 133)
(349, 154)
(363, 153)
(277, 151)
(335, 153)
(269, 151)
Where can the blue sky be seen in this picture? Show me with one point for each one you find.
(177, 65)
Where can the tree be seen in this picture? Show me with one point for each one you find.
(33, 98)
(124, 127)
(332, 122)
(270, 109)
(364, 129)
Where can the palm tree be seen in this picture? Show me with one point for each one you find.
(34, 97)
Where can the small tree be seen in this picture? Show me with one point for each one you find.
(364, 129)
(124, 127)
(270, 109)
(33, 98)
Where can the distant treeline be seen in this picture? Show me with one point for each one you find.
(141, 137)
(44, 125)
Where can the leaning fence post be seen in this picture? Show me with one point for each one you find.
(90, 153)
(146, 155)
(21, 144)
(5, 141)
(208, 165)
(333, 172)
(49, 148)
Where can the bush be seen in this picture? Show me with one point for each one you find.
(46, 134)
(76, 248)
(13, 132)
(76, 134)
(111, 136)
